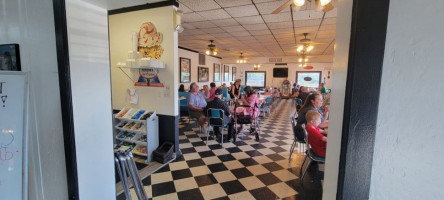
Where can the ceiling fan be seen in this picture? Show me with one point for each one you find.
(212, 49)
(324, 5)
(306, 45)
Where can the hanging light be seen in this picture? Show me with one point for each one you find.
(257, 66)
(309, 48)
(241, 59)
(299, 2)
(324, 2)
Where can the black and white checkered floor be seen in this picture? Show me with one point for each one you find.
(245, 170)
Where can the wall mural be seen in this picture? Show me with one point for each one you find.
(149, 41)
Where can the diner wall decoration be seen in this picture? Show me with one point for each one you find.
(216, 72)
(226, 73)
(185, 70)
(203, 74)
(233, 74)
(10, 57)
(149, 41)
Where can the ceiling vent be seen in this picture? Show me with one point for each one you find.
(273, 60)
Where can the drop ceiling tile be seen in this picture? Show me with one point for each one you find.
(233, 28)
(250, 20)
(279, 25)
(203, 24)
(328, 27)
(329, 21)
(222, 34)
(332, 13)
(225, 22)
(205, 37)
(309, 29)
(212, 30)
(307, 15)
(262, 1)
(260, 32)
(304, 23)
(282, 31)
(192, 31)
(242, 11)
(184, 9)
(188, 26)
(232, 3)
(214, 14)
(256, 27)
(246, 38)
(269, 7)
(281, 17)
(265, 38)
(240, 33)
(192, 17)
(200, 5)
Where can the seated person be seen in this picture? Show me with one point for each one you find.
(301, 94)
(249, 98)
(219, 104)
(317, 141)
(212, 90)
(196, 103)
(313, 102)
(181, 88)
(206, 91)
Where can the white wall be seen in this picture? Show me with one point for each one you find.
(30, 24)
(87, 27)
(209, 62)
(407, 160)
(164, 100)
(339, 78)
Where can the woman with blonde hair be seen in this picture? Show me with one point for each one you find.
(235, 89)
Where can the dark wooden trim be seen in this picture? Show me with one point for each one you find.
(66, 98)
(144, 7)
(366, 55)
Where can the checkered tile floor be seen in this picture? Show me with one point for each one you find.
(245, 170)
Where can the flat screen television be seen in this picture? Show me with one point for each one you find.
(280, 72)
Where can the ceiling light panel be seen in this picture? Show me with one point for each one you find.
(225, 22)
(232, 3)
(242, 11)
(269, 7)
(200, 5)
(250, 20)
(214, 14)
(281, 17)
(204, 24)
(192, 17)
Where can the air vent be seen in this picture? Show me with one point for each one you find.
(280, 64)
(274, 59)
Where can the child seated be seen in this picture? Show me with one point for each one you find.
(317, 141)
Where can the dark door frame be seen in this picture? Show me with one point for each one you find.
(367, 44)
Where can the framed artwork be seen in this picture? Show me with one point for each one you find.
(204, 74)
(233, 74)
(216, 74)
(185, 70)
(226, 73)
(10, 57)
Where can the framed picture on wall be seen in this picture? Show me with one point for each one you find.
(204, 74)
(216, 74)
(226, 73)
(233, 74)
(10, 57)
(185, 70)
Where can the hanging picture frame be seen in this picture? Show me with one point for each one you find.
(216, 72)
(233, 74)
(10, 57)
(226, 73)
(203, 74)
(185, 70)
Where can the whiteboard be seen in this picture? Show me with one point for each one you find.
(13, 135)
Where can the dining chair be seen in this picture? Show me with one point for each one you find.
(215, 118)
(310, 155)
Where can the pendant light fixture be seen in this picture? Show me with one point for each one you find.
(241, 59)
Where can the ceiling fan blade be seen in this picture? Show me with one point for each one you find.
(315, 43)
(285, 5)
(328, 7)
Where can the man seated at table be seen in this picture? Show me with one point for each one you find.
(217, 103)
(196, 104)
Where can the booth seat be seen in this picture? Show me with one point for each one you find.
(183, 103)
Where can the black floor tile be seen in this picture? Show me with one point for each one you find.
(180, 174)
(248, 162)
(182, 141)
(226, 157)
(195, 163)
(276, 157)
(204, 180)
(188, 150)
(233, 150)
(263, 193)
(258, 146)
(193, 194)
(280, 143)
(272, 166)
(241, 173)
(217, 167)
(197, 144)
(268, 179)
(165, 168)
(205, 154)
(253, 153)
(215, 146)
(232, 187)
(222, 198)
(163, 188)
(147, 181)
(278, 149)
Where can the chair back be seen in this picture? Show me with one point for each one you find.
(298, 101)
(307, 145)
(242, 87)
(215, 117)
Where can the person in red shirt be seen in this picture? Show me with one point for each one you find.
(317, 141)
